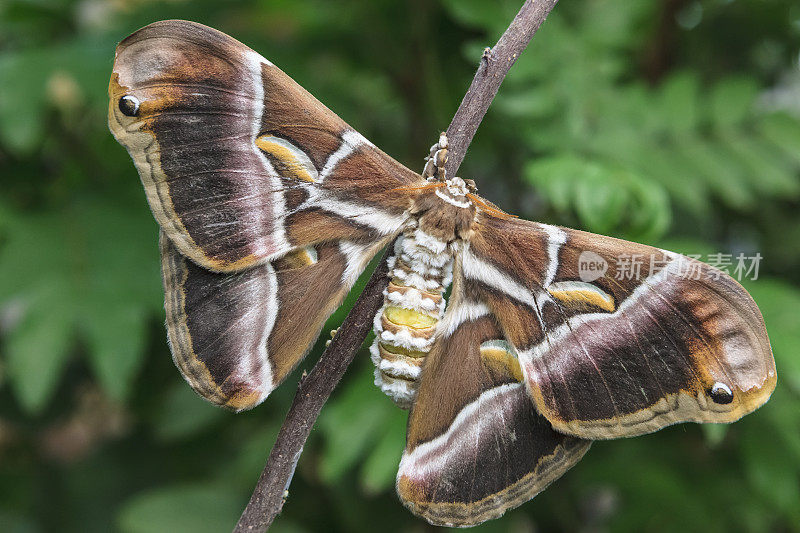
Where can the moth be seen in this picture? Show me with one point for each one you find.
(269, 208)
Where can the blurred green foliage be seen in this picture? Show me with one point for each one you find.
(667, 121)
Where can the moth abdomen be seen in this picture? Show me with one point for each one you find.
(420, 269)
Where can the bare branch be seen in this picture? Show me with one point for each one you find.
(315, 389)
(494, 65)
(312, 393)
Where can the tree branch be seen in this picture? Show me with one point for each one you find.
(312, 393)
(315, 389)
(495, 64)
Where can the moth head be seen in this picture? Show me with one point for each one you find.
(459, 187)
(445, 209)
(455, 192)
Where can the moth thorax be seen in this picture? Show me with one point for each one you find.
(420, 270)
(456, 187)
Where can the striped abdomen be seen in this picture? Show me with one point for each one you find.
(420, 271)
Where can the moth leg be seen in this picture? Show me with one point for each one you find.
(434, 163)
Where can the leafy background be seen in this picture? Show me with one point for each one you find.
(671, 122)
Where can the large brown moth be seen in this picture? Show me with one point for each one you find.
(270, 206)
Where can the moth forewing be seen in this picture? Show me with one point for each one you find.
(621, 357)
(240, 164)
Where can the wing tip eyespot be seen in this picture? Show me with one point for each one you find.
(720, 393)
(129, 105)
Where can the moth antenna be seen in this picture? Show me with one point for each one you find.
(491, 210)
(420, 188)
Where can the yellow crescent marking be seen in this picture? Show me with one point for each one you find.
(298, 259)
(499, 357)
(290, 160)
(579, 294)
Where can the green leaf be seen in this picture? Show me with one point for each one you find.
(116, 339)
(29, 92)
(37, 350)
(779, 302)
(679, 103)
(33, 256)
(769, 171)
(380, 467)
(250, 453)
(784, 132)
(525, 104)
(599, 200)
(32, 276)
(554, 178)
(121, 290)
(782, 413)
(184, 413)
(22, 100)
(87, 270)
(492, 15)
(722, 176)
(651, 213)
(766, 469)
(674, 174)
(351, 425)
(606, 198)
(195, 508)
(731, 101)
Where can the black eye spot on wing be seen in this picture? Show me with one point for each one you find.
(721, 393)
(129, 105)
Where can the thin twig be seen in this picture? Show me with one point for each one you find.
(315, 389)
(494, 65)
(312, 393)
